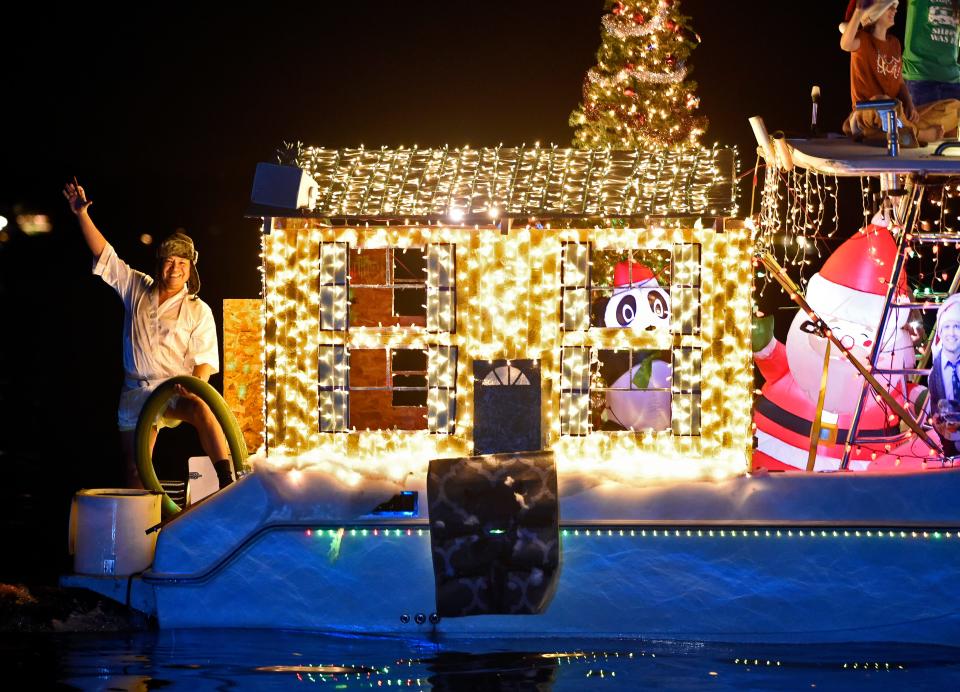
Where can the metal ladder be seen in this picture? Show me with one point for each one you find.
(906, 215)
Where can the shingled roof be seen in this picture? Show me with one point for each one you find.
(428, 184)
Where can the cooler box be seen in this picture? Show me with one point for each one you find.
(108, 531)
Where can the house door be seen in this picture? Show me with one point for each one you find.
(506, 399)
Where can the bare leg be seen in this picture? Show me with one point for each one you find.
(934, 133)
(131, 477)
(193, 410)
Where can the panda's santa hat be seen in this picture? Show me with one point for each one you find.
(853, 282)
(629, 274)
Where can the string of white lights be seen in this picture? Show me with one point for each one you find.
(509, 305)
(454, 183)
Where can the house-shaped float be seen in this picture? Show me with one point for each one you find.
(586, 311)
(450, 302)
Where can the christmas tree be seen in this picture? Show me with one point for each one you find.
(638, 95)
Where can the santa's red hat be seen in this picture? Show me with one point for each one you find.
(633, 274)
(855, 278)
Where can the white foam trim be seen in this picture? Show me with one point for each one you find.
(796, 457)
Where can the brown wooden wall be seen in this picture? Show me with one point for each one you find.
(243, 366)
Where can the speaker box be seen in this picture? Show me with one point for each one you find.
(287, 187)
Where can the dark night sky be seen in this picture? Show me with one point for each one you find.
(162, 112)
(164, 118)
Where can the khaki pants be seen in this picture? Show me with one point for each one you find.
(867, 125)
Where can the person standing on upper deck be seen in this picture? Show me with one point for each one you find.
(930, 66)
(876, 72)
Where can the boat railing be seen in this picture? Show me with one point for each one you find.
(887, 111)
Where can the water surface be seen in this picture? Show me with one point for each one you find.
(272, 660)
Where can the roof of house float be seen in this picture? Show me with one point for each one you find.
(414, 185)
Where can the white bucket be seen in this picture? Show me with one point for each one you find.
(108, 531)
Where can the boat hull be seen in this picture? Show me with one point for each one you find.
(778, 559)
(729, 584)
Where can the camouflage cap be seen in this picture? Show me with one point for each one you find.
(181, 245)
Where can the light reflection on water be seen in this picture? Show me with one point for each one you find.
(271, 660)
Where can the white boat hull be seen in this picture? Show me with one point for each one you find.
(731, 561)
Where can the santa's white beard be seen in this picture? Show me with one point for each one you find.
(844, 382)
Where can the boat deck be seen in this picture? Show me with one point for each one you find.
(840, 156)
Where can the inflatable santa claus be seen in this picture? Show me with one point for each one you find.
(848, 294)
(639, 399)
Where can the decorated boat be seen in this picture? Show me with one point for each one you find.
(509, 392)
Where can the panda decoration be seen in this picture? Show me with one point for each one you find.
(637, 302)
(640, 398)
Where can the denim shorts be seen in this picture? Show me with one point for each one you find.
(924, 91)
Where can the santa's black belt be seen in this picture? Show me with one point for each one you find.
(802, 426)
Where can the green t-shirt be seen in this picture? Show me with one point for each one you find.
(931, 46)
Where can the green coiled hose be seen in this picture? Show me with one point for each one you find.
(156, 404)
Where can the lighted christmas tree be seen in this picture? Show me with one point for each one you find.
(638, 95)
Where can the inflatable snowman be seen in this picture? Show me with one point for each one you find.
(848, 294)
(639, 303)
